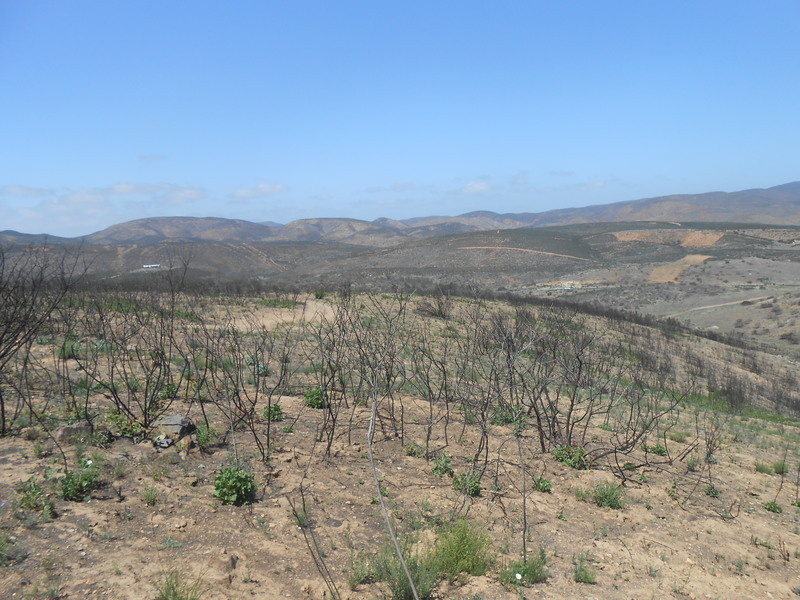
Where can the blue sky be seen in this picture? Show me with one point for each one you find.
(280, 110)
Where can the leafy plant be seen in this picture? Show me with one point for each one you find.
(678, 436)
(583, 573)
(76, 485)
(33, 497)
(273, 413)
(414, 449)
(175, 587)
(657, 449)
(469, 483)
(773, 507)
(763, 468)
(234, 486)
(206, 436)
(607, 495)
(10, 553)
(540, 484)
(126, 426)
(573, 456)
(463, 548)
(388, 568)
(442, 465)
(149, 495)
(780, 467)
(505, 414)
(712, 491)
(315, 398)
(527, 573)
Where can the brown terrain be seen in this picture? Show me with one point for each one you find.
(660, 336)
(697, 490)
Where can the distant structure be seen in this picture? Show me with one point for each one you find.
(155, 266)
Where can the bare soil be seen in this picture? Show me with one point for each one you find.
(674, 537)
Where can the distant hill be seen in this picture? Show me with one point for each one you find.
(775, 205)
(157, 229)
(778, 205)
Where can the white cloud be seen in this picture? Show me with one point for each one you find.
(23, 191)
(475, 187)
(182, 195)
(262, 190)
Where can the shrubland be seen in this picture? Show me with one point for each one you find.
(388, 444)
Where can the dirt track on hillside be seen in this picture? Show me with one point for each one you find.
(669, 273)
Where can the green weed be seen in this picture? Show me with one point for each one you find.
(468, 483)
(234, 486)
(463, 549)
(583, 573)
(527, 573)
(175, 587)
(573, 456)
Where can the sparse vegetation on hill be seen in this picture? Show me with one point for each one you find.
(498, 445)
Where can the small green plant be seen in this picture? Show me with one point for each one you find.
(10, 552)
(206, 436)
(506, 414)
(149, 495)
(693, 464)
(234, 486)
(442, 465)
(527, 573)
(540, 484)
(773, 507)
(607, 495)
(170, 543)
(287, 429)
(175, 587)
(362, 572)
(780, 467)
(712, 491)
(273, 413)
(678, 436)
(463, 549)
(606, 426)
(76, 485)
(763, 468)
(573, 456)
(386, 567)
(657, 449)
(319, 294)
(583, 573)
(468, 483)
(315, 398)
(33, 497)
(415, 450)
(126, 426)
(167, 391)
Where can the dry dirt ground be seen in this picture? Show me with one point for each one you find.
(670, 539)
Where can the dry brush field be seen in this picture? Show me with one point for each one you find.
(508, 450)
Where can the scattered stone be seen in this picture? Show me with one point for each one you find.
(75, 432)
(174, 426)
(162, 441)
(185, 444)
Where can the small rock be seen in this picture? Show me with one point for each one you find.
(175, 426)
(75, 432)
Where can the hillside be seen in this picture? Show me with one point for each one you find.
(776, 205)
(470, 411)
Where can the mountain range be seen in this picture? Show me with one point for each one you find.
(775, 205)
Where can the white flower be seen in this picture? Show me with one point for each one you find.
(519, 576)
